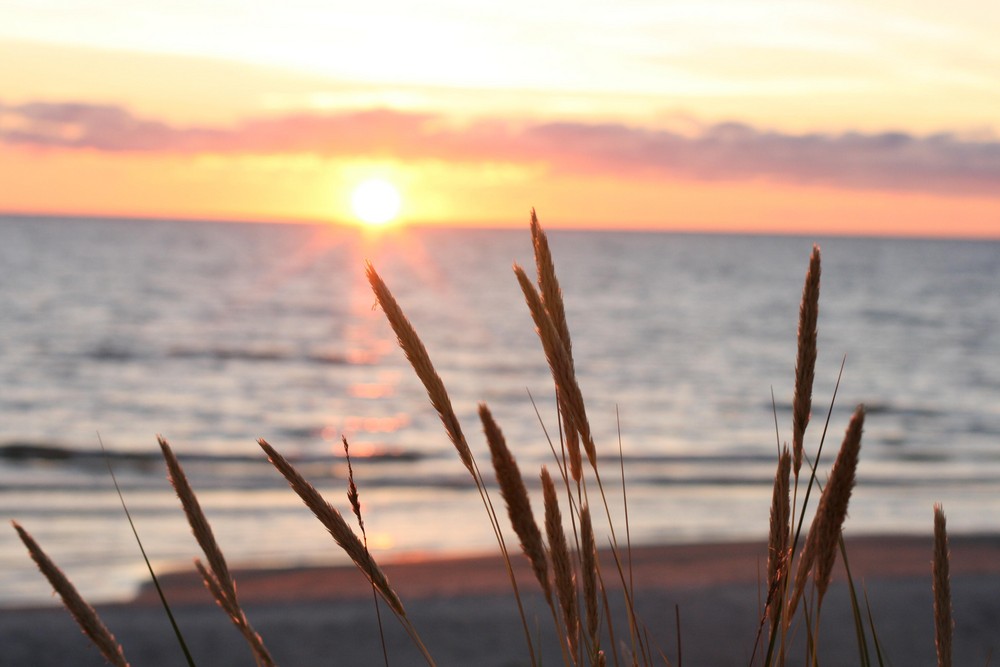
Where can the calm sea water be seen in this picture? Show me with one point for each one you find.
(216, 334)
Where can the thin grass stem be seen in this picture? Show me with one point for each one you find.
(355, 500)
(149, 566)
(859, 627)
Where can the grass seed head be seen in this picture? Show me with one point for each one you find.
(943, 623)
(515, 495)
(84, 615)
(805, 363)
(420, 360)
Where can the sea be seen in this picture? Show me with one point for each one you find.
(213, 335)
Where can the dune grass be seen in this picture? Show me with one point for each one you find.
(562, 548)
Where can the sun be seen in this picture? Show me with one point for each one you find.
(376, 202)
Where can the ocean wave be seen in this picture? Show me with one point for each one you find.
(871, 408)
(231, 353)
(909, 411)
(111, 352)
(119, 352)
(28, 452)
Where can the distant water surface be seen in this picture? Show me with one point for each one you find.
(217, 334)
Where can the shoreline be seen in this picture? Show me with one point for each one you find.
(463, 608)
(658, 567)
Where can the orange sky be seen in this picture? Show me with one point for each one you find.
(874, 117)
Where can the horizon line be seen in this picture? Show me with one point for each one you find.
(496, 225)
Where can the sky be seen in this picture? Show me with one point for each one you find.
(814, 116)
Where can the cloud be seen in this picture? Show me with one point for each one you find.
(78, 125)
(941, 163)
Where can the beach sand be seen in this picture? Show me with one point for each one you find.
(463, 609)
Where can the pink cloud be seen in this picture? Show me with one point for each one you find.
(941, 163)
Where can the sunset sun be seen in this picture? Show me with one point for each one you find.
(375, 202)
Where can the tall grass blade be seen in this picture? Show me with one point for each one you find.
(859, 626)
(355, 500)
(677, 620)
(145, 558)
(628, 528)
(882, 660)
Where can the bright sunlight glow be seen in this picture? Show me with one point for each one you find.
(375, 202)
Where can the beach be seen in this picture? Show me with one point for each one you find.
(465, 613)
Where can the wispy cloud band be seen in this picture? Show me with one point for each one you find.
(944, 163)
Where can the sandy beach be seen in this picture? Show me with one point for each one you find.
(464, 612)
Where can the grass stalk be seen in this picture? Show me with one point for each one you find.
(562, 568)
(335, 524)
(415, 352)
(588, 572)
(420, 360)
(570, 400)
(943, 623)
(522, 518)
(805, 362)
(216, 576)
(778, 537)
(515, 495)
(84, 615)
(819, 552)
(550, 294)
(149, 566)
(813, 466)
(864, 657)
(560, 363)
(871, 626)
(342, 534)
(355, 501)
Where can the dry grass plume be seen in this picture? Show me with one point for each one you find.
(84, 615)
(820, 551)
(805, 363)
(515, 496)
(335, 524)
(562, 566)
(567, 388)
(216, 576)
(778, 536)
(418, 357)
(943, 623)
